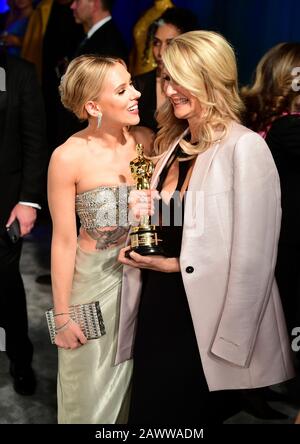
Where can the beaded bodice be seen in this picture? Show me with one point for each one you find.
(103, 213)
(104, 206)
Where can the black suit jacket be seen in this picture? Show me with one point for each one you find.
(23, 155)
(146, 84)
(106, 41)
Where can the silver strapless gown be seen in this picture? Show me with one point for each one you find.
(91, 389)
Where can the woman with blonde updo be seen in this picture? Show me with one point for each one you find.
(89, 175)
(206, 317)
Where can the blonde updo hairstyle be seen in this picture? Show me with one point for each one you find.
(83, 82)
(204, 63)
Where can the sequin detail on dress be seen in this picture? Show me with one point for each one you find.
(103, 214)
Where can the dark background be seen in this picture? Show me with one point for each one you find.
(251, 26)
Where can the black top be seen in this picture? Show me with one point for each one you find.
(171, 215)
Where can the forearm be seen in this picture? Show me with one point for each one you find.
(68, 332)
(62, 270)
(156, 263)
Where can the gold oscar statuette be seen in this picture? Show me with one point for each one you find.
(143, 238)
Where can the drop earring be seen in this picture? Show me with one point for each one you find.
(99, 119)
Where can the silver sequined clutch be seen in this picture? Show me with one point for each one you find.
(87, 316)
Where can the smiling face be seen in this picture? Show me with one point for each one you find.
(164, 35)
(118, 100)
(185, 105)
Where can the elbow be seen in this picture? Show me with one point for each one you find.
(65, 241)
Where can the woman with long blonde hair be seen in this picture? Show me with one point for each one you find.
(205, 317)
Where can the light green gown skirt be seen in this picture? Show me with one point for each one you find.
(91, 389)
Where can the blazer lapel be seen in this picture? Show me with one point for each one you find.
(194, 203)
(202, 165)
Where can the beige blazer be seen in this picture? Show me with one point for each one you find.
(230, 235)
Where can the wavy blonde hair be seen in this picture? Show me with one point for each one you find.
(203, 63)
(271, 93)
(83, 82)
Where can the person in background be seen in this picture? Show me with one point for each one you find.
(50, 42)
(13, 25)
(102, 35)
(89, 175)
(23, 155)
(138, 64)
(172, 22)
(205, 317)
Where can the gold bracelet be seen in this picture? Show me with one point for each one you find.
(60, 314)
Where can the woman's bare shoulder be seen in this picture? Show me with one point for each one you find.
(70, 151)
(145, 136)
